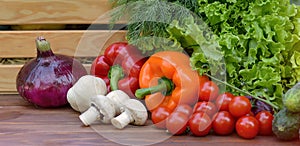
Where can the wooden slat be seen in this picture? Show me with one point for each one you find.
(80, 43)
(23, 124)
(8, 74)
(53, 11)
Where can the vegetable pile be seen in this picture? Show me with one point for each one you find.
(250, 46)
(254, 41)
(184, 102)
(194, 48)
(179, 99)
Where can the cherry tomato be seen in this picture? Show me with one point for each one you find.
(223, 123)
(247, 127)
(250, 114)
(239, 106)
(223, 100)
(159, 115)
(203, 78)
(184, 108)
(265, 119)
(200, 124)
(207, 107)
(177, 123)
(208, 91)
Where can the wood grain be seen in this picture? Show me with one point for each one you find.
(20, 44)
(23, 124)
(80, 43)
(8, 75)
(53, 11)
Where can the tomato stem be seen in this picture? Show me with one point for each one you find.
(245, 92)
(165, 86)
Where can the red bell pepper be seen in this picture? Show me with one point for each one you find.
(119, 67)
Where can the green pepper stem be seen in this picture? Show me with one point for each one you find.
(115, 74)
(165, 86)
(245, 92)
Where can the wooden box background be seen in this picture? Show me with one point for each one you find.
(78, 43)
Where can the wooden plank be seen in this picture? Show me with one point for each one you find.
(80, 43)
(27, 125)
(8, 75)
(12, 100)
(53, 11)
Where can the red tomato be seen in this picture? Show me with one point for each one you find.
(184, 108)
(203, 79)
(239, 106)
(208, 91)
(223, 100)
(250, 114)
(265, 119)
(223, 123)
(159, 115)
(177, 123)
(207, 107)
(247, 127)
(200, 124)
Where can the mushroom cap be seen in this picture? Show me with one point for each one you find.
(138, 111)
(118, 97)
(72, 99)
(86, 87)
(105, 107)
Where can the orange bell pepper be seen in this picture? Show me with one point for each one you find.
(167, 79)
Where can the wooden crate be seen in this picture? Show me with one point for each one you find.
(78, 43)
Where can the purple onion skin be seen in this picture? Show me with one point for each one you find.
(258, 105)
(45, 80)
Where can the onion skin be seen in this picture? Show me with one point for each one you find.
(45, 80)
(258, 106)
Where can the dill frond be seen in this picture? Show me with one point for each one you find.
(150, 18)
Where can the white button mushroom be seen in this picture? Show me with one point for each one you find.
(104, 107)
(118, 97)
(133, 112)
(101, 108)
(86, 87)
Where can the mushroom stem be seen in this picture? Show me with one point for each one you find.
(89, 116)
(122, 120)
(101, 108)
(134, 112)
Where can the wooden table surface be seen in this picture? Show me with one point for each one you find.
(23, 124)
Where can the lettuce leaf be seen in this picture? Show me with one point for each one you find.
(198, 37)
(257, 41)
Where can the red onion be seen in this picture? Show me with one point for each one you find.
(45, 80)
(258, 105)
